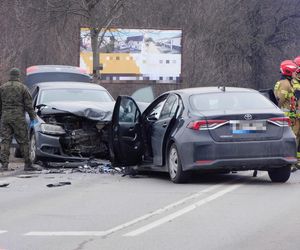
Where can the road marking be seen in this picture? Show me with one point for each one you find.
(161, 210)
(3, 231)
(151, 214)
(129, 223)
(182, 211)
(67, 233)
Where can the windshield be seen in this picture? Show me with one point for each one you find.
(229, 100)
(73, 95)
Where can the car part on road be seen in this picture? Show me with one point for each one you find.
(26, 176)
(59, 184)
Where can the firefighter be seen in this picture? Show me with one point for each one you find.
(284, 91)
(296, 126)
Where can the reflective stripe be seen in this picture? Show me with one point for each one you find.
(276, 87)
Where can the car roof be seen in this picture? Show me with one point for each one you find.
(55, 68)
(71, 85)
(203, 90)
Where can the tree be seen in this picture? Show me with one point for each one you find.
(97, 15)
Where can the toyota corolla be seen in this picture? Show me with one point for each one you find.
(204, 129)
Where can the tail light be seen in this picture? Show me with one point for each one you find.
(31, 69)
(206, 124)
(280, 121)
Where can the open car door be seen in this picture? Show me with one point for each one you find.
(126, 133)
(269, 93)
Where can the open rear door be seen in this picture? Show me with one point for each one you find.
(126, 133)
(269, 93)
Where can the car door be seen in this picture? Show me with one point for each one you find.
(126, 135)
(161, 127)
(269, 93)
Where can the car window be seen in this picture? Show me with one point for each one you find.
(229, 100)
(169, 107)
(32, 79)
(128, 111)
(73, 95)
(155, 112)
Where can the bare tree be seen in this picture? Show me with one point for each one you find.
(97, 15)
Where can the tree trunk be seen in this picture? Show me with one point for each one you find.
(95, 45)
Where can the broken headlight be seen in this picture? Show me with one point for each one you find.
(52, 129)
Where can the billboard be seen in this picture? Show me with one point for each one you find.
(135, 54)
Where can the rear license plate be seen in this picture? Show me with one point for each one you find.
(248, 127)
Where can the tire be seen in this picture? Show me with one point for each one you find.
(281, 174)
(32, 149)
(177, 175)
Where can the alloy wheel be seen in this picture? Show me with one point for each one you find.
(173, 162)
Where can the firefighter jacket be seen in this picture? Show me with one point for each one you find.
(284, 93)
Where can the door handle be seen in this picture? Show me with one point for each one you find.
(165, 125)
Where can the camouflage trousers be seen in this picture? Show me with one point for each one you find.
(17, 127)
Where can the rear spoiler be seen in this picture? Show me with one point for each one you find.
(269, 93)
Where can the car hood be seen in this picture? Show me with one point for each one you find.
(101, 111)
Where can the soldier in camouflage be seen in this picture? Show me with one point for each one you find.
(15, 100)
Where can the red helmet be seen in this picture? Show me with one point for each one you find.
(297, 61)
(287, 67)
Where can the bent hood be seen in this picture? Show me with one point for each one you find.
(101, 111)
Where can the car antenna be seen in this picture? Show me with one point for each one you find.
(222, 88)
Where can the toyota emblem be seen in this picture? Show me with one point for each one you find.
(248, 117)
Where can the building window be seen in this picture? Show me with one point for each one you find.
(117, 58)
(167, 61)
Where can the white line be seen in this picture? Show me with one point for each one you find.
(129, 223)
(67, 233)
(182, 211)
(137, 220)
(3, 231)
(161, 210)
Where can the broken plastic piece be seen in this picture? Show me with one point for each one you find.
(59, 184)
(4, 184)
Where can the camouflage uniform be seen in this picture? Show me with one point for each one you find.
(15, 100)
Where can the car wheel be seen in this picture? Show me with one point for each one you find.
(281, 174)
(32, 149)
(177, 175)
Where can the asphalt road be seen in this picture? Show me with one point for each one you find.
(104, 211)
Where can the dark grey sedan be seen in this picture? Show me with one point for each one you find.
(216, 129)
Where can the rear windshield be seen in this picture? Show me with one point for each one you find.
(55, 77)
(73, 95)
(229, 100)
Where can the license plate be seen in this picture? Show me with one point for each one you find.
(248, 127)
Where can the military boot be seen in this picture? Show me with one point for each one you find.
(4, 167)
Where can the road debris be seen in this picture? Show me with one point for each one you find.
(4, 184)
(26, 176)
(59, 184)
(91, 166)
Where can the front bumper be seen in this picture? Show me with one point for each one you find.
(48, 147)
